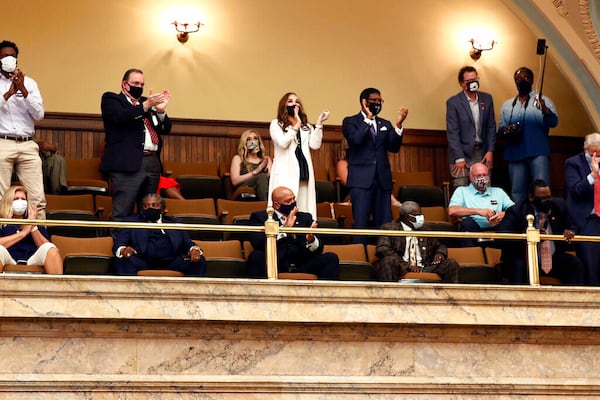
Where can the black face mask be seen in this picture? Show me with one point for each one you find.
(135, 91)
(524, 87)
(151, 214)
(291, 110)
(375, 108)
(542, 205)
(286, 209)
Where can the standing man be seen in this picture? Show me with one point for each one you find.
(369, 175)
(133, 125)
(470, 127)
(20, 105)
(525, 123)
(582, 180)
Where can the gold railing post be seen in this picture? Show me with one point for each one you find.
(533, 238)
(271, 231)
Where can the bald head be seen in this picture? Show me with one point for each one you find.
(479, 169)
(282, 196)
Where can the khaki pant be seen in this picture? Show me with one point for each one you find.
(24, 157)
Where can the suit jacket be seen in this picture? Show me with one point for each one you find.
(580, 194)
(460, 126)
(396, 245)
(139, 238)
(125, 133)
(368, 158)
(515, 222)
(291, 249)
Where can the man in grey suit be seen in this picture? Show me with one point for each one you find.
(470, 127)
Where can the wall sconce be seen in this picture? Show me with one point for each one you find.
(184, 29)
(477, 48)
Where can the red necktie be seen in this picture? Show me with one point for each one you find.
(546, 248)
(597, 197)
(148, 125)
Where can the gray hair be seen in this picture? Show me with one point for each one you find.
(591, 140)
(408, 207)
(161, 200)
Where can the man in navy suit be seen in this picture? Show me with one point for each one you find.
(142, 249)
(295, 253)
(369, 176)
(470, 127)
(133, 126)
(581, 174)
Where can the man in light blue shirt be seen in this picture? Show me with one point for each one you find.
(479, 206)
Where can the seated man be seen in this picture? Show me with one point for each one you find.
(551, 218)
(295, 253)
(401, 254)
(141, 249)
(480, 206)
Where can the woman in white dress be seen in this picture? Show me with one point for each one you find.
(293, 137)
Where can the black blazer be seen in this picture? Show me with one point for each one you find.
(515, 222)
(139, 238)
(291, 249)
(367, 157)
(124, 133)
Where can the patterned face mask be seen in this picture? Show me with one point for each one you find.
(481, 183)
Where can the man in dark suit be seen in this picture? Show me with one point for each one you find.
(553, 213)
(369, 176)
(295, 253)
(470, 127)
(142, 249)
(401, 254)
(133, 125)
(581, 175)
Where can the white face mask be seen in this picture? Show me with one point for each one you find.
(419, 221)
(9, 64)
(19, 206)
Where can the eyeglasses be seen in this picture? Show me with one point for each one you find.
(376, 101)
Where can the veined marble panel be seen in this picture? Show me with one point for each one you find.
(137, 338)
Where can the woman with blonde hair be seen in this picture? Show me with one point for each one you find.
(26, 244)
(251, 166)
(293, 138)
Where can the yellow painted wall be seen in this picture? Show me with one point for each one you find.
(250, 52)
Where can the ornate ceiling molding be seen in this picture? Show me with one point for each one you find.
(588, 25)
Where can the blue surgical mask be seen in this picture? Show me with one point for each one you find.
(419, 221)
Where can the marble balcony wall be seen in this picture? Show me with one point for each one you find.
(82, 337)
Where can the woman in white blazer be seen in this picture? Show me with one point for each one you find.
(293, 137)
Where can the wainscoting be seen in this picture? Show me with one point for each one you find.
(82, 136)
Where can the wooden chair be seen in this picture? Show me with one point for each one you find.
(24, 269)
(160, 272)
(473, 265)
(353, 262)
(103, 207)
(85, 256)
(83, 176)
(197, 180)
(196, 211)
(227, 210)
(223, 259)
(71, 207)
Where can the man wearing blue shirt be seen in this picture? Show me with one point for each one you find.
(479, 206)
(525, 123)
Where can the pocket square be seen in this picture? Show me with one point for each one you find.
(383, 128)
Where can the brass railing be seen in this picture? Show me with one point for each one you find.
(271, 229)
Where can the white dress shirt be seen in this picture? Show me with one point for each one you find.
(18, 113)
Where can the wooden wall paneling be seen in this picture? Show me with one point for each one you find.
(82, 136)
